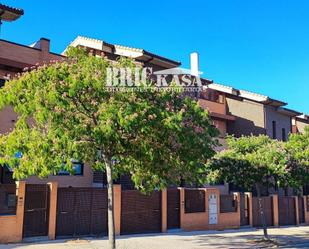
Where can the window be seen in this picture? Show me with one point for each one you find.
(283, 135)
(78, 170)
(274, 129)
(2, 82)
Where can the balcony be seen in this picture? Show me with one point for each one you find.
(216, 109)
(212, 106)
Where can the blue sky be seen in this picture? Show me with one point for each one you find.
(256, 45)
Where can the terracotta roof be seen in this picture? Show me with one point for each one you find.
(119, 49)
(247, 95)
(11, 9)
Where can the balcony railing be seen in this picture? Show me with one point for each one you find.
(212, 106)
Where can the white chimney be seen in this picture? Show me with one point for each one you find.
(194, 64)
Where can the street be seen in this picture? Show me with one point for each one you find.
(287, 237)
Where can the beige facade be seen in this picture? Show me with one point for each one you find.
(84, 180)
(250, 118)
(256, 114)
(278, 125)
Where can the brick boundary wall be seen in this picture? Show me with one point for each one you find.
(200, 220)
(11, 229)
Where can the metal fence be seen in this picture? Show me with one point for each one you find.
(194, 201)
(140, 213)
(81, 211)
(287, 212)
(228, 204)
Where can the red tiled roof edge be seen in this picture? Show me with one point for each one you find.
(11, 9)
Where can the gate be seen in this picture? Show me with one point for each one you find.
(140, 213)
(173, 208)
(287, 215)
(36, 212)
(301, 210)
(267, 208)
(81, 212)
(244, 210)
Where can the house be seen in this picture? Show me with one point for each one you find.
(113, 52)
(14, 58)
(256, 114)
(140, 56)
(17, 57)
(232, 111)
(299, 123)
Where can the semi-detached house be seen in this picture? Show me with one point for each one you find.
(256, 114)
(233, 111)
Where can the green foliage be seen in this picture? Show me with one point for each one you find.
(297, 149)
(65, 112)
(257, 159)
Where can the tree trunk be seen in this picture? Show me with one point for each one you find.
(110, 194)
(261, 209)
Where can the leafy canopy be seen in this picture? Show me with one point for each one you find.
(256, 160)
(66, 112)
(298, 147)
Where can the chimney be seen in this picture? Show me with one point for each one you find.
(44, 45)
(194, 64)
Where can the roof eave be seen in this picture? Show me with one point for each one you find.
(161, 58)
(288, 112)
(9, 14)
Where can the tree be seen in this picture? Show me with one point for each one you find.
(66, 112)
(297, 149)
(252, 162)
(298, 145)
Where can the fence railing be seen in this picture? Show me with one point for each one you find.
(228, 204)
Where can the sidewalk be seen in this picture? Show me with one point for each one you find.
(287, 237)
